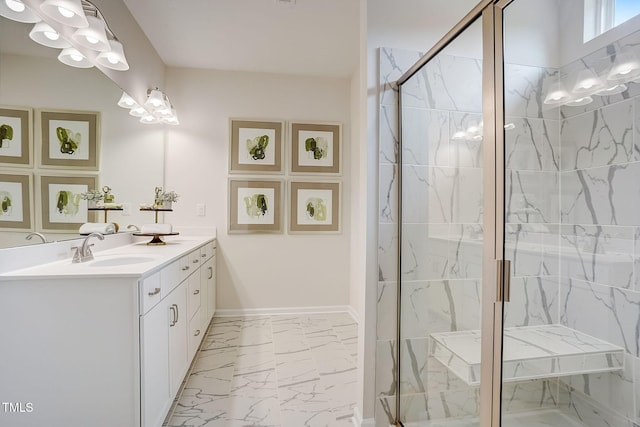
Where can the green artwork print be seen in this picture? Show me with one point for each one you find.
(257, 146)
(5, 202)
(257, 205)
(316, 209)
(6, 132)
(69, 140)
(318, 146)
(67, 203)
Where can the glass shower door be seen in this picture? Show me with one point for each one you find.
(570, 338)
(441, 235)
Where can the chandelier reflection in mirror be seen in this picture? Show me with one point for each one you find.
(156, 109)
(75, 26)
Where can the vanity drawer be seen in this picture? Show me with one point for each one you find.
(150, 295)
(173, 274)
(207, 251)
(194, 290)
(196, 333)
(194, 260)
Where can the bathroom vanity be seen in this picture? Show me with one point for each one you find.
(105, 342)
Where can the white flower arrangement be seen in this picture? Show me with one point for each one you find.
(92, 195)
(164, 197)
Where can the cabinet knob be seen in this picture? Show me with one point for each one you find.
(185, 268)
(203, 256)
(156, 291)
(195, 261)
(196, 292)
(197, 332)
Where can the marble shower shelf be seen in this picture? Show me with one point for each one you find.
(529, 352)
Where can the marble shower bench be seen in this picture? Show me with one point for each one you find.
(530, 352)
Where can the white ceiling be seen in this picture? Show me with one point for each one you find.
(311, 37)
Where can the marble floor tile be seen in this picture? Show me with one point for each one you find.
(279, 371)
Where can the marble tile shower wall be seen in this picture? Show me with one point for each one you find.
(600, 240)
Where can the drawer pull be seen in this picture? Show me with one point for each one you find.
(156, 291)
(185, 268)
(210, 273)
(196, 292)
(203, 256)
(174, 317)
(197, 332)
(195, 261)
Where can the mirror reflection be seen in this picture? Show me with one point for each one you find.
(131, 154)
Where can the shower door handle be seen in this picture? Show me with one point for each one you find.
(503, 291)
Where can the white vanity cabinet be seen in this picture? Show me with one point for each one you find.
(104, 349)
(175, 328)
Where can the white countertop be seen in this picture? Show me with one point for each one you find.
(133, 260)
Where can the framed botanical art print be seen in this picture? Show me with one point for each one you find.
(62, 208)
(16, 207)
(69, 139)
(16, 139)
(255, 206)
(315, 207)
(315, 148)
(256, 146)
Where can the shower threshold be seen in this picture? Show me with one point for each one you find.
(540, 418)
(530, 352)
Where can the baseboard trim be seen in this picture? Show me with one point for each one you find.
(352, 311)
(357, 417)
(359, 422)
(236, 312)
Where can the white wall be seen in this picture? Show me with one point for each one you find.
(131, 153)
(256, 270)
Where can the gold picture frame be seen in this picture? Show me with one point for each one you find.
(16, 201)
(61, 208)
(255, 206)
(315, 207)
(257, 146)
(316, 148)
(16, 137)
(69, 139)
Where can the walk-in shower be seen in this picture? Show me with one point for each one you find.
(515, 178)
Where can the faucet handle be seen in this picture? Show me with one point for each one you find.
(76, 255)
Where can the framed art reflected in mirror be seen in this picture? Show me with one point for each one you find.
(16, 138)
(62, 208)
(16, 212)
(69, 139)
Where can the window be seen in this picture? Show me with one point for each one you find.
(602, 15)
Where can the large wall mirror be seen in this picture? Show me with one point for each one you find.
(131, 160)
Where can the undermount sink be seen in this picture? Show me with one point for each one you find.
(119, 260)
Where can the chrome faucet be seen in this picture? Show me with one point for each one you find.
(40, 235)
(83, 253)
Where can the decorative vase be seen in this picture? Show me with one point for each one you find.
(91, 204)
(166, 204)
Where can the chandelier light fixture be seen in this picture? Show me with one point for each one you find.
(156, 109)
(45, 35)
(17, 11)
(66, 12)
(75, 26)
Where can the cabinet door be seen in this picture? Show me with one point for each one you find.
(208, 274)
(154, 353)
(178, 339)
